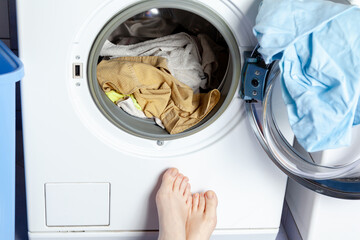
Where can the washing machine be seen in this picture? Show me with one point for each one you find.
(92, 171)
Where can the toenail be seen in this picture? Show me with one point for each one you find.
(173, 172)
(210, 195)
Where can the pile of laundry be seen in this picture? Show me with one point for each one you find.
(161, 79)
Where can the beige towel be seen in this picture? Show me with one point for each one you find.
(158, 93)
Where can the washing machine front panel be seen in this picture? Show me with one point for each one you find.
(112, 134)
(241, 38)
(69, 142)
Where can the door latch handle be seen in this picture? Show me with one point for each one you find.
(254, 77)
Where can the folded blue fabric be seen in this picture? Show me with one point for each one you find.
(318, 45)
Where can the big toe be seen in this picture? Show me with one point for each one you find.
(211, 204)
(170, 176)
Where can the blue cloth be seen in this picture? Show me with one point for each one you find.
(318, 45)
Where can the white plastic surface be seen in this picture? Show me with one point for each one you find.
(77, 204)
(321, 217)
(355, 2)
(244, 234)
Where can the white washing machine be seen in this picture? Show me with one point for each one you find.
(92, 171)
(89, 175)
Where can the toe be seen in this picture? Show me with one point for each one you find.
(195, 202)
(211, 203)
(177, 182)
(183, 185)
(169, 176)
(202, 202)
(189, 201)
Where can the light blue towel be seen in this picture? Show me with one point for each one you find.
(318, 42)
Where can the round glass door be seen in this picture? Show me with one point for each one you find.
(196, 44)
(332, 172)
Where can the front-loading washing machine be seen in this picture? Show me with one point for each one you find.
(92, 171)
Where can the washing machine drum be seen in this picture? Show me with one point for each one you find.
(260, 88)
(137, 28)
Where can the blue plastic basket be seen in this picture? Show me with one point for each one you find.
(11, 71)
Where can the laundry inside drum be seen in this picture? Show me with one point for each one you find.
(163, 73)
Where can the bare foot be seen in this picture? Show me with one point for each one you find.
(173, 201)
(202, 217)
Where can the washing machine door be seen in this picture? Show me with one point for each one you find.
(261, 90)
